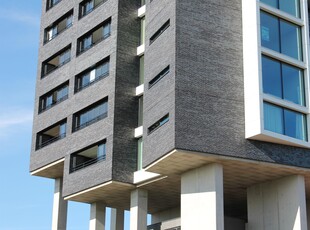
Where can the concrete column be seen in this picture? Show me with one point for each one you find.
(278, 205)
(202, 205)
(117, 219)
(60, 206)
(97, 216)
(138, 210)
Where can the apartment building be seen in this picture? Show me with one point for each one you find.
(196, 112)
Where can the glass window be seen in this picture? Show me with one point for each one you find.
(90, 155)
(140, 153)
(283, 81)
(158, 123)
(273, 118)
(159, 76)
(140, 114)
(102, 70)
(141, 70)
(64, 57)
(289, 6)
(87, 42)
(89, 6)
(91, 115)
(53, 97)
(106, 30)
(51, 134)
(285, 121)
(281, 36)
(142, 31)
(96, 35)
(90, 76)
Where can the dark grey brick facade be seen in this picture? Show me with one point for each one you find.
(119, 87)
(203, 91)
(209, 98)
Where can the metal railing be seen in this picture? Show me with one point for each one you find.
(53, 104)
(83, 14)
(79, 127)
(52, 4)
(87, 163)
(58, 33)
(79, 52)
(50, 141)
(80, 88)
(45, 73)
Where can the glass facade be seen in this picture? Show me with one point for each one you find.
(281, 36)
(288, 6)
(285, 121)
(280, 79)
(283, 81)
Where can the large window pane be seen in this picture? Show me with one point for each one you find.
(285, 121)
(273, 118)
(270, 32)
(293, 84)
(283, 81)
(281, 36)
(295, 125)
(289, 6)
(290, 40)
(273, 3)
(272, 83)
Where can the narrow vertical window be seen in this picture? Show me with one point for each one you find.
(140, 153)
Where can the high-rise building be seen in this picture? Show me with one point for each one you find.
(196, 112)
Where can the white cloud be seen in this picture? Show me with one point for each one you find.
(20, 16)
(14, 117)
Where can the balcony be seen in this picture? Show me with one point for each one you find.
(56, 61)
(58, 27)
(93, 37)
(90, 115)
(88, 6)
(53, 97)
(51, 135)
(88, 156)
(51, 3)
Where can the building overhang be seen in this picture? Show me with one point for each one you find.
(53, 170)
(113, 193)
(239, 174)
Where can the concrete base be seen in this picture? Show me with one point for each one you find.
(117, 219)
(278, 205)
(60, 207)
(202, 198)
(138, 210)
(97, 216)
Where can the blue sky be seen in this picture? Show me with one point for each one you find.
(25, 201)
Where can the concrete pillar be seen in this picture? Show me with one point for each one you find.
(202, 205)
(117, 219)
(278, 205)
(60, 206)
(138, 210)
(97, 216)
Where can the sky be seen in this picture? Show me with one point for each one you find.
(25, 201)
